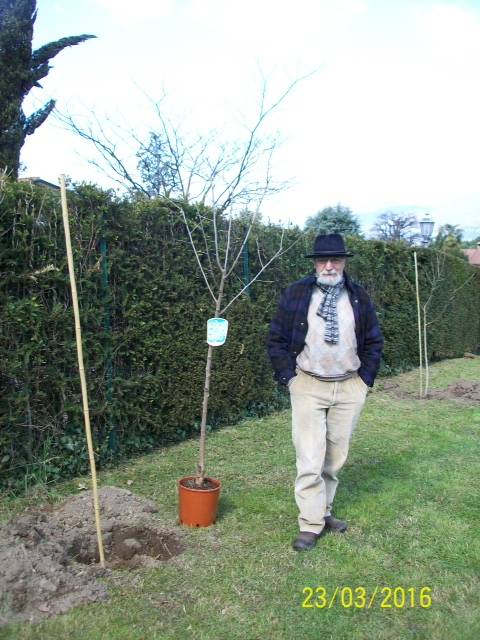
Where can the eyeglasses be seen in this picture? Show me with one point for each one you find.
(332, 259)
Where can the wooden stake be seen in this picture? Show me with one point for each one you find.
(425, 354)
(83, 382)
(419, 320)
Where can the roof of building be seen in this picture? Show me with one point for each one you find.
(40, 182)
(473, 255)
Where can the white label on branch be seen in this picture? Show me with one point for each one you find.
(217, 331)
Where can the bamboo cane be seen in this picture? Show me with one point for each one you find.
(419, 320)
(83, 383)
(425, 354)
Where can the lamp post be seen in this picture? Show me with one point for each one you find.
(426, 230)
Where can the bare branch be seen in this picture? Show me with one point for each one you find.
(194, 169)
(106, 149)
(259, 254)
(245, 240)
(434, 277)
(229, 237)
(280, 252)
(207, 252)
(247, 158)
(215, 238)
(173, 147)
(182, 212)
(450, 300)
(257, 210)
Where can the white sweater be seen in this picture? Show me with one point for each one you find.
(323, 359)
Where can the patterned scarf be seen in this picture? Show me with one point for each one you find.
(328, 309)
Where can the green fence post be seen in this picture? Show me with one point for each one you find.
(107, 328)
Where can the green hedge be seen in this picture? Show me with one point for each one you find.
(143, 326)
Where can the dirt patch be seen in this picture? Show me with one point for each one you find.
(395, 390)
(461, 389)
(48, 555)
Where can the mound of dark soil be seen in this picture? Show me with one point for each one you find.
(48, 556)
(463, 389)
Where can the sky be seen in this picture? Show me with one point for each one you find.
(389, 120)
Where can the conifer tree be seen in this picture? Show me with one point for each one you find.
(337, 219)
(21, 69)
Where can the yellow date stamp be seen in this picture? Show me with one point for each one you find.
(363, 598)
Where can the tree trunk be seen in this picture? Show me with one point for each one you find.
(206, 392)
(206, 395)
(11, 142)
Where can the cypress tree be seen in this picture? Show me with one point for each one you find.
(21, 69)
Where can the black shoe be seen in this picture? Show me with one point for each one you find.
(305, 541)
(333, 524)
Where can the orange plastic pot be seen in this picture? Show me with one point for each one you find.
(198, 507)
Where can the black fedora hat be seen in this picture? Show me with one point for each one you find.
(329, 245)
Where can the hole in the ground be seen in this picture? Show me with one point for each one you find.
(128, 546)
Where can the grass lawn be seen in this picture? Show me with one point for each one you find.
(410, 492)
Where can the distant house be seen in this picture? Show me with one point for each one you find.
(473, 255)
(39, 182)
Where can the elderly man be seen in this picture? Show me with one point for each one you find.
(325, 345)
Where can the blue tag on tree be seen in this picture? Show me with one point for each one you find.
(217, 331)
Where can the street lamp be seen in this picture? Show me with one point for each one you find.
(426, 229)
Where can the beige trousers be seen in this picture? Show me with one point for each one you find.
(324, 416)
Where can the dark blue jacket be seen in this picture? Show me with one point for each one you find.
(289, 326)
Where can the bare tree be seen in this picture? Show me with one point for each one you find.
(436, 277)
(231, 178)
(391, 227)
(226, 183)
